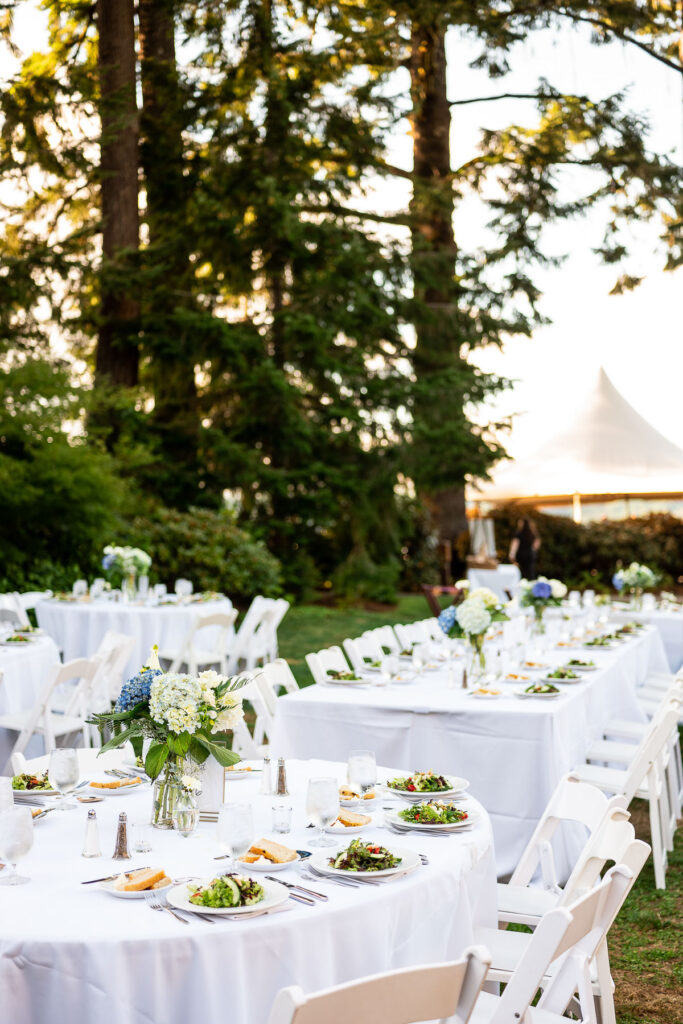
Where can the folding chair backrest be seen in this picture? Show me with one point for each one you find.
(405, 996)
(321, 662)
(610, 842)
(31, 598)
(11, 617)
(114, 653)
(20, 609)
(432, 628)
(359, 649)
(411, 633)
(650, 749)
(279, 675)
(386, 638)
(572, 800)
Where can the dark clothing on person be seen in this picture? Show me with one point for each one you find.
(526, 555)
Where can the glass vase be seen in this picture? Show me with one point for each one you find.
(165, 795)
(185, 813)
(128, 587)
(476, 663)
(637, 599)
(538, 625)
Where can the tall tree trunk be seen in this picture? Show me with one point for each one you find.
(116, 358)
(437, 349)
(176, 415)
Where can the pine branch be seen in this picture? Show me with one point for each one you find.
(509, 96)
(620, 34)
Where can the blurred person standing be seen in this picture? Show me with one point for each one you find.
(524, 547)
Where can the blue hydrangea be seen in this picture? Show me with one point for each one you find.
(617, 581)
(447, 619)
(108, 561)
(542, 590)
(136, 689)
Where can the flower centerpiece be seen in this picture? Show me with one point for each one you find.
(122, 565)
(636, 578)
(471, 619)
(540, 594)
(188, 720)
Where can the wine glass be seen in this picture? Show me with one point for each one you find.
(361, 771)
(16, 839)
(183, 588)
(235, 830)
(80, 588)
(97, 588)
(143, 588)
(322, 807)
(63, 774)
(6, 793)
(419, 658)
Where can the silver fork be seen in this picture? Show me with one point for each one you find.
(155, 903)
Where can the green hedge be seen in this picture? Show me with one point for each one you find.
(587, 554)
(208, 548)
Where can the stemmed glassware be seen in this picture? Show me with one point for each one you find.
(361, 771)
(322, 807)
(420, 656)
(235, 830)
(183, 588)
(16, 839)
(390, 668)
(63, 774)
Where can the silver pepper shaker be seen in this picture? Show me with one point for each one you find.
(266, 787)
(91, 845)
(281, 789)
(121, 847)
(464, 678)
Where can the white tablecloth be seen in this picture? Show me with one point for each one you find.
(73, 953)
(513, 751)
(670, 626)
(25, 671)
(78, 627)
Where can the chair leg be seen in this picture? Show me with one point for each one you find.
(605, 994)
(658, 854)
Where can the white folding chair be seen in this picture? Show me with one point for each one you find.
(258, 693)
(320, 663)
(362, 651)
(573, 975)
(30, 598)
(11, 618)
(572, 801)
(114, 653)
(269, 628)
(43, 720)
(256, 636)
(280, 676)
(385, 637)
(194, 657)
(411, 633)
(644, 777)
(406, 996)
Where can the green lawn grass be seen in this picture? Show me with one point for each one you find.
(646, 942)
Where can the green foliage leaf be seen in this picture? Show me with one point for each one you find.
(221, 753)
(119, 739)
(157, 755)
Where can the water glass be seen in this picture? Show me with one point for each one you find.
(97, 589)
(361, 771)
(16, 840)
(183, 588)
(322, 807)
(282, 818)
(160, 591)
(420, 657)
(143, 587)
(80, 588)
(141, 837)
(63, 773)
(6, 793)
(235, 830)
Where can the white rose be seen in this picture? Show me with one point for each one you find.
(486, 596)
(558, 589)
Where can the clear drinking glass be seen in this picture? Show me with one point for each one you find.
(80, 588)
(160, 591)
(6, 793)
(282, 818)
(97, 588)
(235, 830)
(16, 839)
(322, 807)
(183, 588)
(419, 657)
(63, 774)
(361, 771)
(143, 587)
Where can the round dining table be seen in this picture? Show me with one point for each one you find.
(25, 669)
(78, 626)
(73, 952)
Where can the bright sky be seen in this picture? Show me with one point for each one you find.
(637, 337)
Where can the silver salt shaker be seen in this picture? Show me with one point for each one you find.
(266, 787)
(91, 845)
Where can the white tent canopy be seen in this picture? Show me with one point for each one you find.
(608, 449)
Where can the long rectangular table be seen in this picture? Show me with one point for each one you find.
(513, 751)
(670, 627)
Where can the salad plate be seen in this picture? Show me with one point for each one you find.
(274, 895)
(241, 772)
(535, 696)
(554, 680)
(39, 787)
(263, 864)
(345, 682)
(407, 860)
(404, 677)
(454, 786)
(117, 791)
(576, 665)
(20, 640)
(346, 830)
(394, 818)
(110, 887)
(535, 666)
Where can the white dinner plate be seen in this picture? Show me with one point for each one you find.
(267, 865)
(346, 830)
(409, 860)
(560, 682)
(457, 786)
(345, 682)
(19, 644)
(30, 796)
(179, 897)
(32, 634)
(119, 791)
(539, 666)
(536, 696)
(583, 668)
(404, 677)
(485, 696)
(395, 819)
(241, 773)
(110, 887)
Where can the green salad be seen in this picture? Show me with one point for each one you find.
(335, 673)
(17, 638)
(372, 662)
(577, 663)
(541, 688)
(407, 652)
(434, 812)
(360, 856)
(420, 782)
(31, 782)
(563, 673)
(598, 641)
(228, 891)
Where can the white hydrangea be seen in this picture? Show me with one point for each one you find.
(229, 715)
(486, 596)
(463, 585)
(558, 588)
(190, 783)
(473, 616)
(174, 701)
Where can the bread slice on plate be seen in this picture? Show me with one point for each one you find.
(351, 820)
(136, 881)
(272, 851)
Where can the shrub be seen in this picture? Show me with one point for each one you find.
(359, 578)
(208, 548)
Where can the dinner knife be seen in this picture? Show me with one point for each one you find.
(110, 878)
(301, 888)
